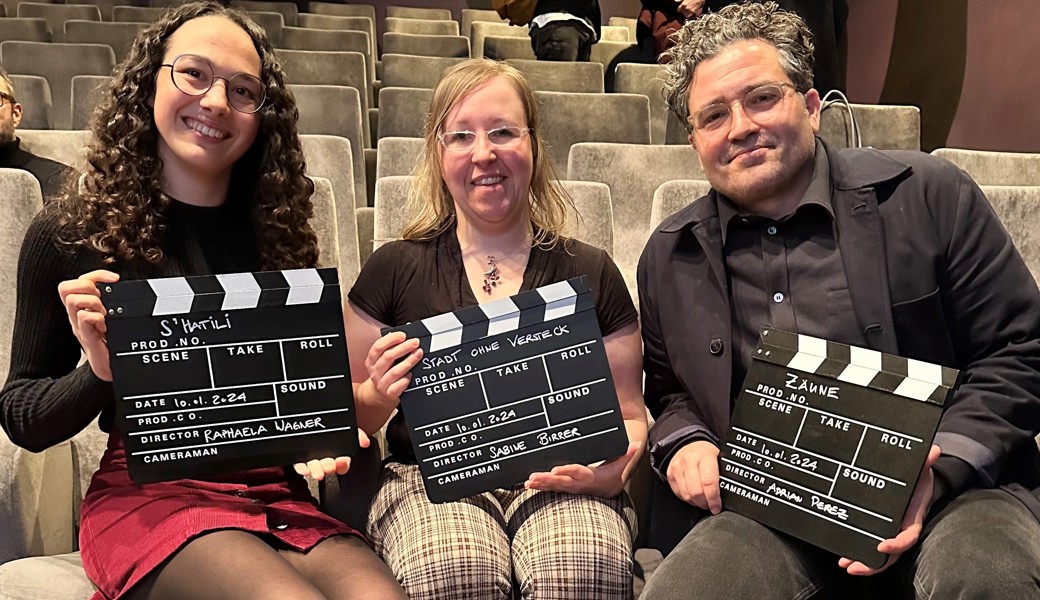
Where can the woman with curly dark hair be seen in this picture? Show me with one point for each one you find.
(195, 168)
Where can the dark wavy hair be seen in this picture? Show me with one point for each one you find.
(119, 208)
(704, 38)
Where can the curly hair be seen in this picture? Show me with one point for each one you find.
(704, 38)
(119, 208)
(429, 197)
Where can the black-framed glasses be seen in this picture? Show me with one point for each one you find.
(761, 105)
(193, 75)
(8, 98)
(499, 137)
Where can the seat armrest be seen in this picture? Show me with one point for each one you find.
(36, 501)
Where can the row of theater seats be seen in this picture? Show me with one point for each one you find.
(615, 211)
(628, 175)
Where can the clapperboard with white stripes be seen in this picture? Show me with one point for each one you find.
(511, 387)
(827, 440)
(228, 372)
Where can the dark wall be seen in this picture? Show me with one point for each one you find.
(970, 66)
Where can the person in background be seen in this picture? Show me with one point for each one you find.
(826, 19)
(489, 212)
(195, 168)
(565, 29)
(51, 174)
(895, 251)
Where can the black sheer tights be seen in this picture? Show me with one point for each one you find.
(236, 565)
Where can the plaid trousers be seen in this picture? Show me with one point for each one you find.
(549, 545)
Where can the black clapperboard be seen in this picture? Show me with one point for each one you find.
(228, 372)
(511, 387)
(827, 441)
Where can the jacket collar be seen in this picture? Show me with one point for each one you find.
(870, 169)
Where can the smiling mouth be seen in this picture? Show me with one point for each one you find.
(209, 132)
(746, 151)
(489, 180)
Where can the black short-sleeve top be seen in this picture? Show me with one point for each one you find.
(405, 281)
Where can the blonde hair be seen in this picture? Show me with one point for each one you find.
(429, 198)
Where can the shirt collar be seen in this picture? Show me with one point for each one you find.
(818, 193)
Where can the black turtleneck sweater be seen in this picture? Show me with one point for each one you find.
(47, 398)
(50, 174)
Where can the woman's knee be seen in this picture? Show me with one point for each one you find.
(590, 572)
(449, 576)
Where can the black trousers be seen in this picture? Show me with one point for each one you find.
(562, 40)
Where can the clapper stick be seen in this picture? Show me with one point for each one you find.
(229, 372)
(511, 387)
(827, 440)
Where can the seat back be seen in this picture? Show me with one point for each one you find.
(25, 30)
(570, 118)
(995, 168)
(67, 146)
(481, 30)
(57, 14)
(366, 217)
(119, 36)
(626, 22)
(343, 10)
(338, 23)
(634, 78)
(288, 10)
(59, 63)
(632, 172)
(425, 45)
(391, 209)
(615, 33)
(885, 127)
(404, 70)
(22, 200)
(34, 94)
(592, 220)
(87, 93)
(553, 76)
(313, 67)
(398, 156)
(672, 196)
(329, 157)
(473, 15)
(346, 121)
(329, 40)
(402, 111)
(1019, 210)
(428, 14)
(271, 22)
(421, 27)
(138, 14)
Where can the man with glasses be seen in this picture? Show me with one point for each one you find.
(50, 174)
(894, 251)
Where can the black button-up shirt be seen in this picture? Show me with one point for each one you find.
(786, 273)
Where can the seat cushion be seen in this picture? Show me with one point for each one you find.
(58, 577)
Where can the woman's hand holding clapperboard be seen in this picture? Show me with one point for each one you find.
(389, 364)
(606, 479)
(82, 302)
(910, 529)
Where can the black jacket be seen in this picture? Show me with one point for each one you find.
(51, 174)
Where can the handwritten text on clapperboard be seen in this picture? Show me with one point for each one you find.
(831, 453)
(538, 393)
(230, 372)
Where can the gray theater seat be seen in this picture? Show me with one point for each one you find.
(34, 94)
(995, 168)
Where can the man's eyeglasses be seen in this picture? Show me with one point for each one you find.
(193, 75)
(761, 105)
(7, 98)
(499, 137)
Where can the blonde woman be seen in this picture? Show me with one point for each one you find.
(488, 226)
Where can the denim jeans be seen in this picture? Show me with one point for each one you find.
(983, 544)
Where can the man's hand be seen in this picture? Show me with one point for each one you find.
(913, 522)
(693, 474)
